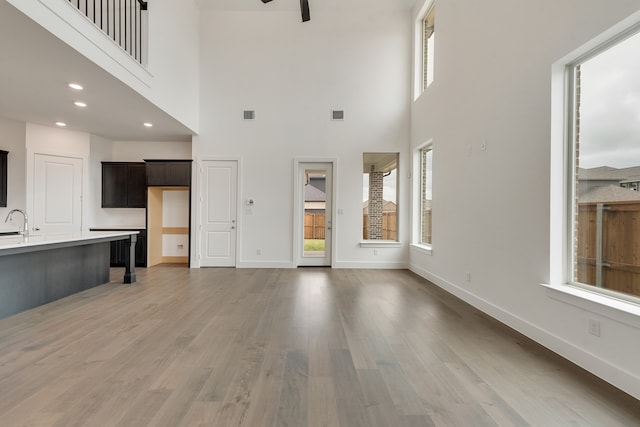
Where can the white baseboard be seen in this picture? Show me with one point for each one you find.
(371, 265)
(265, 264)
(620, 378)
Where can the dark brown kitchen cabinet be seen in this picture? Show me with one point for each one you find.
(124, 185)
(168, 173)
(3, 178)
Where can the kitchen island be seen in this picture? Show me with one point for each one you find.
(38, 269)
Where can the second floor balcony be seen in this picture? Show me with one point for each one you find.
(123, 21)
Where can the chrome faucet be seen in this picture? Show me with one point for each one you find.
(25, 231)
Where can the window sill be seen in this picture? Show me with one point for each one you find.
(380, 244)
(423, 249)
(620, 310)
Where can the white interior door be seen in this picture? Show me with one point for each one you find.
(219, 207)
(316, 183)
(57, 204)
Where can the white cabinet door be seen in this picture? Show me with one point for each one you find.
(57, 204)
(219, 206)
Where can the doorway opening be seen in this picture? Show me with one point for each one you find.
(315, 214)
(168, 225)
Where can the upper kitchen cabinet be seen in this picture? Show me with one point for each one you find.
(3, 178)
(123, 185)
(168, 173)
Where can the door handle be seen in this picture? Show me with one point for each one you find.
(233, 228)
(36, 228)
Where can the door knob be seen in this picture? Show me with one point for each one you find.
(233, 228)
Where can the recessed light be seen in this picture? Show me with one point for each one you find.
(75, 86)
(149, 125)
(61, 124)
(80, 104)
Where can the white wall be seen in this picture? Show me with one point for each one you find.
(491, 208)
(174, 48)
(57, 142)
(175, 213)
(12, 139)
(24, 140)
(137, 151)
(170, 78)
(293, 75)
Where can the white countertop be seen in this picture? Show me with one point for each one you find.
(117, 228)
(8, 244)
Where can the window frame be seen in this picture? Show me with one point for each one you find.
(386, 242)
(426, 148)
(416, 204)
(428, 34)
(419, 67)
(571, 124)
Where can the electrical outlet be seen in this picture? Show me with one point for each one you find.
(258, 251)
(467, 276)
(375, 252)
(594, 327)
(180, 247)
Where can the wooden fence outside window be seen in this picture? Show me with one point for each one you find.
(619, 260)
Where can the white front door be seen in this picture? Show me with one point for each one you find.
(218, 216)
(57, 204)
(316, 182)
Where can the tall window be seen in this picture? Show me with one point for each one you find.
(428, 43)
(605, 152)
(426, 198)
(380, 196)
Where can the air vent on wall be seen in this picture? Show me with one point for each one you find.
(249, 115)
(337, 114)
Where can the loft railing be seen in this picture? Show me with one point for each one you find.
(122, 20)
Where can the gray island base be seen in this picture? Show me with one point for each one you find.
(36, 270)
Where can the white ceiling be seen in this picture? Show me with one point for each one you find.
(317, 5)
(35, 68)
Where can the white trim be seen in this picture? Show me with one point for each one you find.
(380, 244)
(372, 265)
(562, 164)
(297, 191)
(418, 49)
(597, 303)
(420, 248)
(416, 200)
(265, 264)
(619, 377)
(196, 204)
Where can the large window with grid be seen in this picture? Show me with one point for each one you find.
(604, 175)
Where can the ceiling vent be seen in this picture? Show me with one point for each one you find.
(249, 115)
(337, 114)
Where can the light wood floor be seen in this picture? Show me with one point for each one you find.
(305, 347)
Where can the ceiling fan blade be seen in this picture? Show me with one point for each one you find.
(304, 9)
